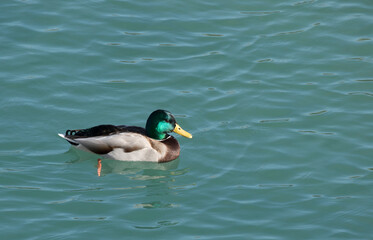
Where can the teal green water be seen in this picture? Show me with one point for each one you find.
(277, 94)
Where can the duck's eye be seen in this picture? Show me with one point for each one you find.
(167, 120)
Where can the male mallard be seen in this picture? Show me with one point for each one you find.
(131, 143)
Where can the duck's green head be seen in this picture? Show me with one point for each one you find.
(161, 122)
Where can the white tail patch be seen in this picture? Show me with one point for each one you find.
(68, 139)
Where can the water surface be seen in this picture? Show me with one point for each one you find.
(277, 94)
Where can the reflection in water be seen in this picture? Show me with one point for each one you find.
(156, 204)
(158, 225)
(156, 183)
(123, 167)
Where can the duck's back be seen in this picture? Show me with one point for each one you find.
(103, 130)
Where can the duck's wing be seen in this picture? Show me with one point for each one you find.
(103, 130)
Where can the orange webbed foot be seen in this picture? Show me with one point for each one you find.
(99, 166)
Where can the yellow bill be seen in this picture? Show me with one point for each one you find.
(182, 132)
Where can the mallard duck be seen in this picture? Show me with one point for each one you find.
(131, 143)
